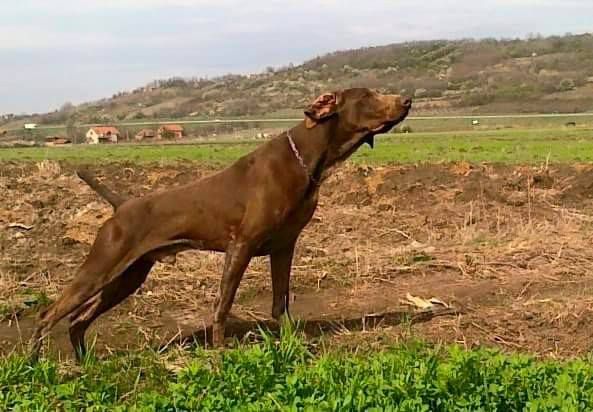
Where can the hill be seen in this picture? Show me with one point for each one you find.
(553, 74)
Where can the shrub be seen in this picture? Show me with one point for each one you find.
(476, 99)
(566, 85)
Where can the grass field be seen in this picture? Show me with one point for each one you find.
(426, 124)
(512, 146)
(285, 374)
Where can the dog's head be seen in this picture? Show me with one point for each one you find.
(357, 115)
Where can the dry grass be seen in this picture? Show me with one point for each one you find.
(48, 168)
(513, 255)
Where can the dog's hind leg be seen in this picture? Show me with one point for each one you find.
(113, 294)
(107, 252)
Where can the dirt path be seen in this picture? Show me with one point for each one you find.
(508, 247)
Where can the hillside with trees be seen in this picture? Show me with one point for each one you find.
(551, 74)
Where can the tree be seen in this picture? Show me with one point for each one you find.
(72, 130)
(67, 107)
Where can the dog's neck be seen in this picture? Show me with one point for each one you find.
(314, 146)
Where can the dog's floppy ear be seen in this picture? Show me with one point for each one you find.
(323, 107)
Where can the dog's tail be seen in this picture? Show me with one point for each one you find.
(113, 198)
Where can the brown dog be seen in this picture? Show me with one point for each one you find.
(257, 206)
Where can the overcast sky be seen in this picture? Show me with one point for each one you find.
(57, 51)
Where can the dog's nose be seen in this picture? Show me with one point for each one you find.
(406, 101)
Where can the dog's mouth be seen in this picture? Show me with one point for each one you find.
(383, 128)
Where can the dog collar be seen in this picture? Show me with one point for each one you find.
(297, 154)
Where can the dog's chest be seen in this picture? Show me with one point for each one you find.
(288, 229)
(301, 215)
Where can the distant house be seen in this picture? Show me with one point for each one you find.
(145, 134)
(57, 141)
(170, 131)
(102, 134)
(30, 126)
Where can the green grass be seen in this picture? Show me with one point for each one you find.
(211, 153)
(456, 124)
(506, 146)
(285, 375)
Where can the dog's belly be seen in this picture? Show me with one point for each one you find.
(211, 222)
(198, 213)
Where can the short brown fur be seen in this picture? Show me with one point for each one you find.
(257, 206)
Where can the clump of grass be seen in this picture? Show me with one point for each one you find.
(22, 301)
(283, 374)
(48, 168)
(5, 311)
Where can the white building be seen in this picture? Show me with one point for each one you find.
(102, 134)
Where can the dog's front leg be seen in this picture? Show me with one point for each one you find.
(280, 265)
(237, 258)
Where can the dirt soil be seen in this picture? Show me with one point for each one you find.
(508, 248)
